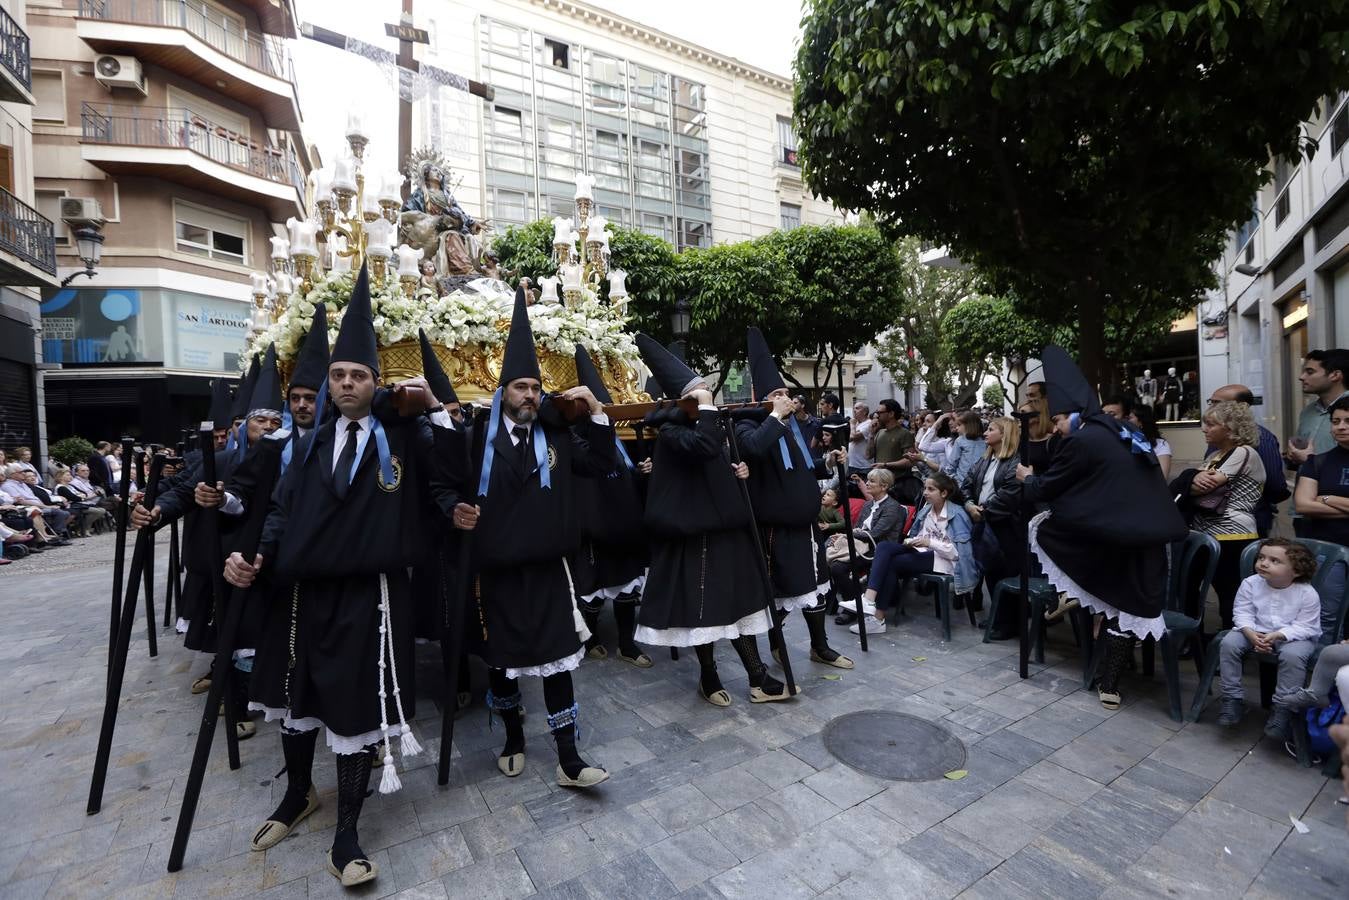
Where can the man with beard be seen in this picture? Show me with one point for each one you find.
(1103, 540)
(703, 584)
(524, 526)
(343, 526)
(784, 489)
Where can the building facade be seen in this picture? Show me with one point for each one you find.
(180, 119)
(27, 244)
(1284, 278)
(684, 143)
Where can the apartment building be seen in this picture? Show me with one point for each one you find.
(180, 119)
(27, 242)
(1283, 280)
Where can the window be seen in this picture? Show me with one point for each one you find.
(1339, 130)
(556, 54)
(49, 96)
(507, 123)
(659, 225)
(786, 142)
(694, 234)
(509, 206)
(791, 216)
(49, 204)
(690, 117)
(1283, 174)
(212, 235)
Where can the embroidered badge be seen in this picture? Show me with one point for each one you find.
(397, 465)
(552, 458)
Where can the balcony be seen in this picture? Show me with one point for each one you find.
(193, 40)
(16, 71)
(27, 244)
(180, 146)
(275, 16)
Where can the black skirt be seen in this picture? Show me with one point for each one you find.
(334, 623)
(796, 565)
(701, 589)
(203, 621)
(527, 618)
(598, 566)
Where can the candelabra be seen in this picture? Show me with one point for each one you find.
(581, 251)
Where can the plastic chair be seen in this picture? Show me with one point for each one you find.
(1042, 597)
(1327, 554)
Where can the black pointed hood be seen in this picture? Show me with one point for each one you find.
(588, 375)
(1067, 389)
(675, 378)
(220, 404)
(441, 388)
(356, 338)
(764, 376)
(652, 388)
(244, 392)
(311, 365)
(265, 398)
(520, 360)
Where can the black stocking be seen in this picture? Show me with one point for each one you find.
(707, 669)
(819, 640)
(505, 702)
(775, 635)
(560, 698)
(625, 616)
(353, 781)
(1117, 654)
(591, 614)
(747, 645)
(297, 747)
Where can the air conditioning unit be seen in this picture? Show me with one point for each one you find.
(77, 211)
(120, 72)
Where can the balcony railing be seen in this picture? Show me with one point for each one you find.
(27, 233)
(14, 50)
(202, 21)
(176, 127)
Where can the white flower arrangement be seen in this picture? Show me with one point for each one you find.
(461, 318)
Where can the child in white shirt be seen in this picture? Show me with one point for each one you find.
(1276, 611)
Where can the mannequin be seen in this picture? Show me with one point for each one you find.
(1146, 388)
(1171, 388)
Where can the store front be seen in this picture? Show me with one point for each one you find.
(1165, 376)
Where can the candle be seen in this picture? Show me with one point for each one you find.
(571, 277)
(323, 184)
(408, 260)
(285, 285)
(391, 190)
(302, 237)
(260, 281)
(597, 224)
(381, 232)
(550, 286)
(337, 244)
(280, 248)
(617, 288)
(344, 178)
(369, 204)
(562, 230)
(585, 187)
(354, 126)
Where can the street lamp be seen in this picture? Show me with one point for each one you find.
(680, 321)
(89, 246)
(1246, 269)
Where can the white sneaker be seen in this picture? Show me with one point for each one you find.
(874, 625)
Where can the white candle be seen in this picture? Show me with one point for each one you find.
(550, 286)
(561, 230)
(344, 178)
(280, 248)
(354, 126)
(381, 237)
(408, 259)
(323, 184)
(391, 190)
(617, 287)
(597, 224)
(585, 187)
(337, 244)
(571, 277)
(302, 237)
(260, 281)
(370, 204)
(285, 285)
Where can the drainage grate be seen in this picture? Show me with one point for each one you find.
(893, 745)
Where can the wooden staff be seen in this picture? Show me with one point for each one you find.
(250, 536)
(1023, 605)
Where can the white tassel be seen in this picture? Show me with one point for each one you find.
(388, 782)
(577, 620)
(407, 742)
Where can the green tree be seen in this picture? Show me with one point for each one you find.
(993, 395)
(1089, 156)
(912, 349)
(71, 451)
(988, 334)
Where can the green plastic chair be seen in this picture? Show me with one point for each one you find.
(1327, 554)
(943, 589)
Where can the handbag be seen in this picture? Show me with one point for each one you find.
(837, 548)
(1215, 501)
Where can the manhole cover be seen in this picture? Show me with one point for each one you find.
(893, 745)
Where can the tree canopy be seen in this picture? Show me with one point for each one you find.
(1088, 156)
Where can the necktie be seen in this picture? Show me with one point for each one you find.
(342, 474)
(521, 434)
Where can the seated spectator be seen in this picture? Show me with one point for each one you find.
(992, 498)
(830, 519)
(83, 485)
(1331, 671)
(100, 475)
(83, 504)
(1145, 420)
(940, 543)
(18, 488)
(881, 519)
(1321, 498)
(23, 457)
(1276, 611)
(966, 449)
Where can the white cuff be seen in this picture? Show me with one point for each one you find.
(599, 418)
(708, 408)
(440, 417)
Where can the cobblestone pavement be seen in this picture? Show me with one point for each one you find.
(1062, 798)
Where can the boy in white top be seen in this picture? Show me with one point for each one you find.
(1276, 611)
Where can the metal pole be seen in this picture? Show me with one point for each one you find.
(122, 520)
(208, 533)
(1023, 605)
(152, 489)
(847, 519)
(775, 630)
(644, 451)
(249, 538)
(170, 593)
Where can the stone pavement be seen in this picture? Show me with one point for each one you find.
(1062, 798)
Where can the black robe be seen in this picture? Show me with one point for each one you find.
(1110, 519)
(526, 605)
(435, 578)
(319, 659)
(613, 554)
(787, 505)
(703, 584)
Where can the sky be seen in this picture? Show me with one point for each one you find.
(333, 82)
